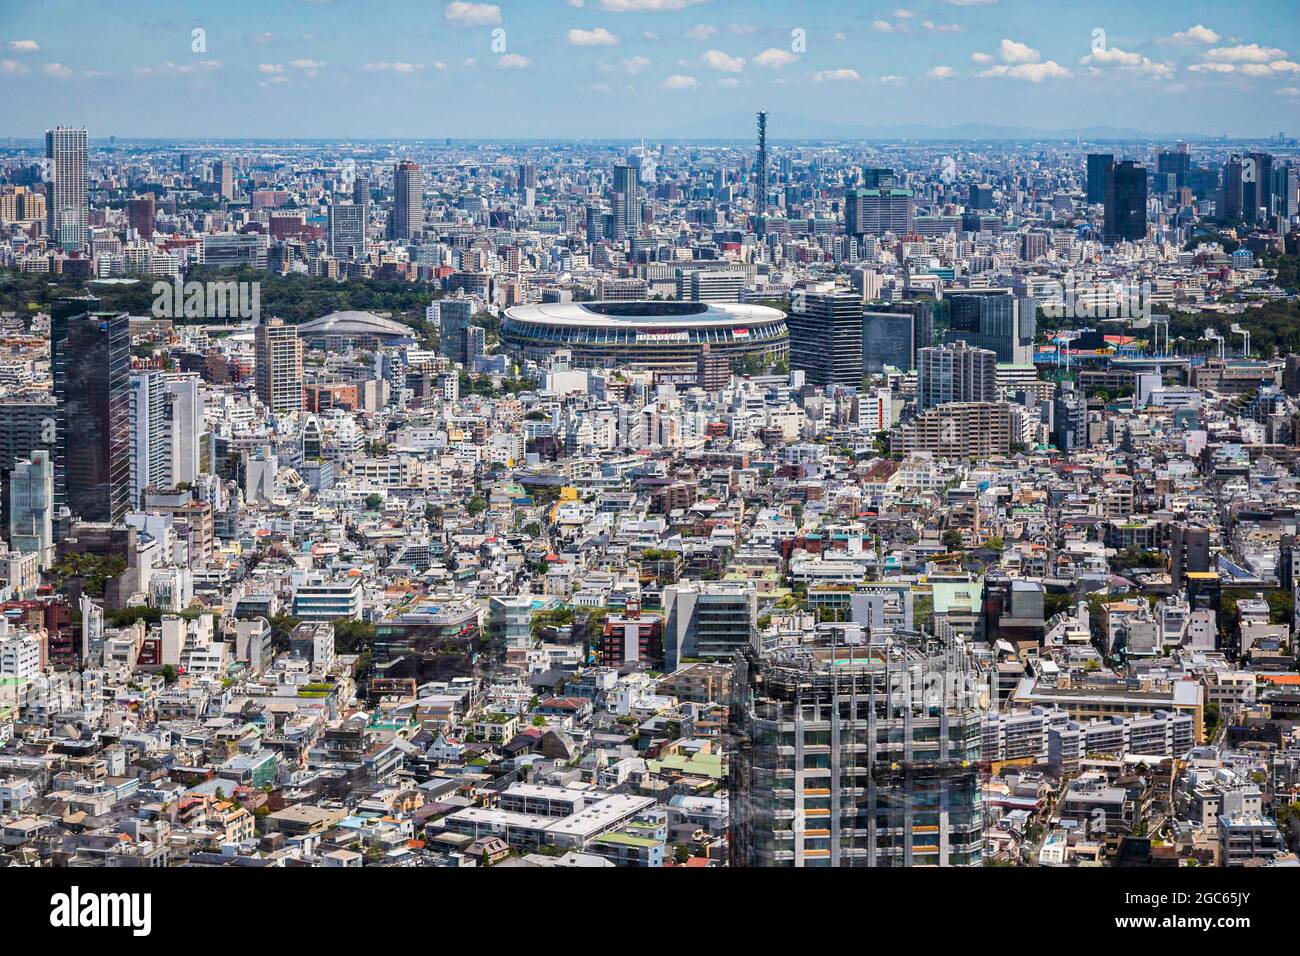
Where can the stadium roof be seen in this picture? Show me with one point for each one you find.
(354, 323)
(668, 314)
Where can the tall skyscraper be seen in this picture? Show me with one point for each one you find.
(407, 218)
(955, 373)
(905, 792)
(876, 177)
(223, 175)
(31, 507)
(994, 320)
(278, 366)
(1099, 167)
(1126, 203)
(90, 354)
(361, 190)
(527, 178)
(1069, 418)
(626, 201)
(1232, 197)
(1176, 162)
(1286, 190)
(140, 213)
(454, 317)
(166, 415)
(148, 447)
(893, 334)
(826, 336)
(874, 212)
(1257, 187)
(68, 209)
(347, 230)
(760, 173)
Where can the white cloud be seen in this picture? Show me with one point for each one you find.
(1245, 53)
(1212, 68)
(396, 67)
(1255, 69)
(1196, 34)
(742, 29)
(1284, 66)
(774, 58)
(903, 14)
(972, 3)
(167, 67)
(679, 82)
(728, 81)
(893, 79)
(1129, 62)
(981, 58)
(701, 31)
(651, 6)
(57, 70)
(842, 75)
(1032, 72)
(576, 3)
(725, 62)
(1289, 91)
(1113, 54)
(942, 72)
(599, 88)
(473, 14)
(307, 64)
(513, 61)
(883, 26)
(12, 68)
(597, 37)
(1013, 51)
(24, 46)
(635, 64)
(270, 68)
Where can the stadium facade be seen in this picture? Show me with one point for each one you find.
(663, 336)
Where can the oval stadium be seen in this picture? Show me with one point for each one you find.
(661, 336)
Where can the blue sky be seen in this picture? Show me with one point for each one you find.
(658, 68)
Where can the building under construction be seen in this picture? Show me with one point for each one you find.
(858, 750)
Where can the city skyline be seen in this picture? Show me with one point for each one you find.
(693, 68)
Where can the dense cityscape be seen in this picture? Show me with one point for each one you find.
(766, 502)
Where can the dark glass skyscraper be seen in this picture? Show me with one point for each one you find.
(1126, 202)
(1257, 187)
(90, 354)
(893, 333)
(407, 218)
(993, 320)
(1176, 162)
(1099, 166)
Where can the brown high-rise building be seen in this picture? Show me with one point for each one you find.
(140, 215)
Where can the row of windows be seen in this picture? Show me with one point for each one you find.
(570, 335)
